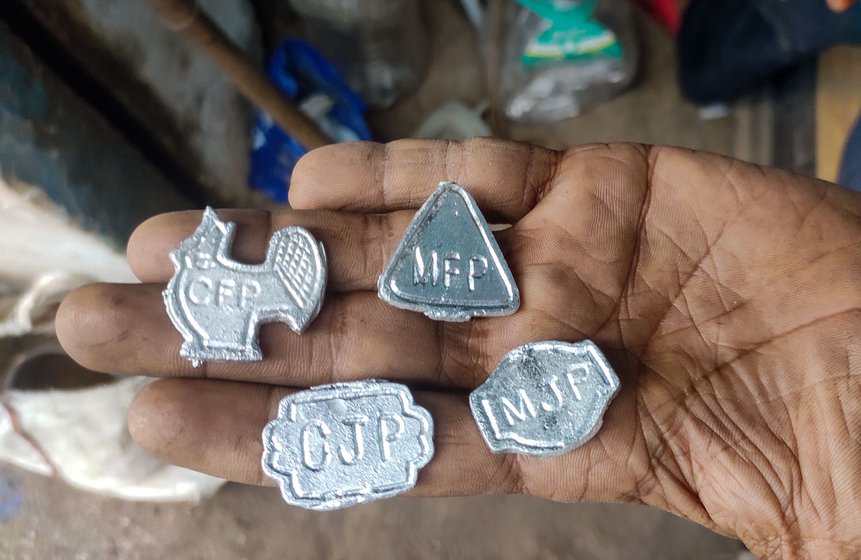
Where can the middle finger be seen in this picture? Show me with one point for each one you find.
(357, 245)
(123, 328)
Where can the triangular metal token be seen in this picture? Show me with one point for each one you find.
(448, 264)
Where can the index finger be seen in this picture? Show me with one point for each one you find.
(356, 245)
(507, 179)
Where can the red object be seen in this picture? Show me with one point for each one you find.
(666, 12)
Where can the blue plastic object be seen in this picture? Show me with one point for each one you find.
(302, 73)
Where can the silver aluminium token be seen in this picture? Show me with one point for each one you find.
(344, 444)
(218, 304)
(545, 398)
(448, 264)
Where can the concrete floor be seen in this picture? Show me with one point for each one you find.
(54, 521)
(43, 519)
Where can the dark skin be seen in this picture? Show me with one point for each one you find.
(726, 295)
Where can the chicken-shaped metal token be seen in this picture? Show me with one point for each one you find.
(448, 264)
(218, 303)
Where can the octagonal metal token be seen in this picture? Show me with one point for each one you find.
(448, 264)
(544, 398)
(339, 445)
(218, 304)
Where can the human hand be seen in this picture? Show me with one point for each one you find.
(725, 295)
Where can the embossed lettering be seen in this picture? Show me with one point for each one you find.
(574, 382)
(212, 298)
(326, 450)
(427, 269)
(249, 290)
(553, 383)
(557, 392)
(227, 293)
(346, 443)
(199, 291)
(511, 412)
(422, 273)
(348, 456)
(226, 296)
(449, 268)
(477, 269)
(391, 428)
(568, 385)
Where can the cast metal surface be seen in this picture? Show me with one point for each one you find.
(218, 304)
(344, 444)
(545, 398)
(448, 264)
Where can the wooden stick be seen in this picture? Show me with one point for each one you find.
(185, 16)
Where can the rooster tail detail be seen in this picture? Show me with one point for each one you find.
(297, 258)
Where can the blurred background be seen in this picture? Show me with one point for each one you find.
(114, 110)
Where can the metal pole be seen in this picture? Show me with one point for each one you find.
(184, 16)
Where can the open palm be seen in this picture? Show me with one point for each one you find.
(725, 295)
